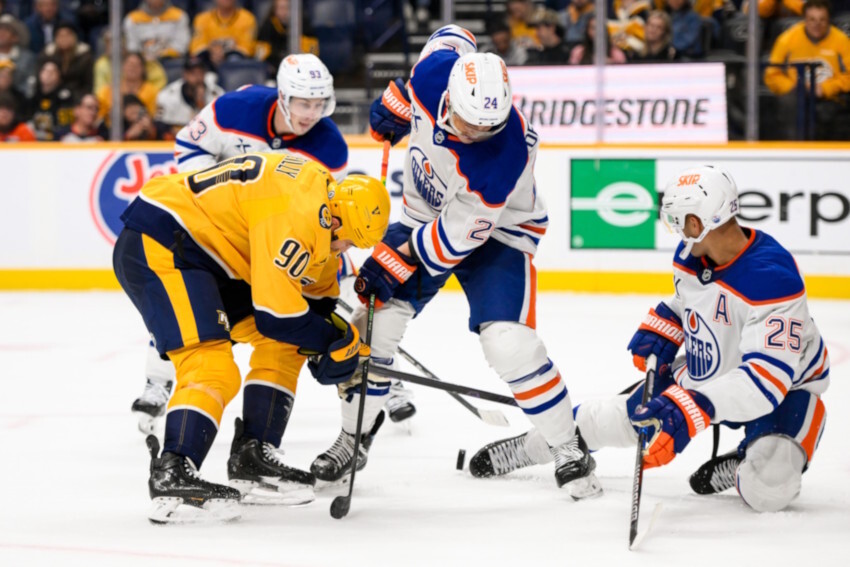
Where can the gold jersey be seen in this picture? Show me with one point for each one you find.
(263, 218)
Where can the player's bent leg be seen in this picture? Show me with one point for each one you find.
(256, 466)
(770, 476)
(207, 379)
(518, 355)
(508, 455)
(159, 380)
(605, 423)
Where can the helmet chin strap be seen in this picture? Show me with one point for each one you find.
(689, 242)
(284, 109)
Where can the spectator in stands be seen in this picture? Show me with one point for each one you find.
(154, 71)
(7, 83)
(86, 127)
(181, 100)
(43, 22)
(583, 54)
(157, 30)
(550, 36)
(520, 14)
(575, 21)
(627, 28)
(133, 82)
(813, 39)
(20, 56)
(138, 124)
(273, 38)
(777, 8)
(223, 32)
(74, 58)
(52, 106)
(11, 128)
(503, 45)
(659, 39)
(687, 29)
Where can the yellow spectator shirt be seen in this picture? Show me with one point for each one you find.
(833, 52)
(237, 33)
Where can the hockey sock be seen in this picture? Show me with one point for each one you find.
(266, 411)
(376, 397)
(189, 433)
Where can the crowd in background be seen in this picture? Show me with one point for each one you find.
(55, 69)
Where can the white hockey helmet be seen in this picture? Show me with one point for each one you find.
(707, 192)
(304, 75)
(479, 92)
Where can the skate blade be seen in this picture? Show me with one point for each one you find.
(274, 494)
(173, 510)
(584, 488)
(322, 485)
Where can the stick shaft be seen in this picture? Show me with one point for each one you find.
(637, 482)
(446, 386)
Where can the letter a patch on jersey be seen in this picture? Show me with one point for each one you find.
(721, 310)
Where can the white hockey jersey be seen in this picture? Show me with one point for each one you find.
(240, 122)
(749, 338)
(458, 195)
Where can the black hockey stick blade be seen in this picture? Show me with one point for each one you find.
(637, 482)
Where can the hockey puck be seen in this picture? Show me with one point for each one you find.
(461, 459)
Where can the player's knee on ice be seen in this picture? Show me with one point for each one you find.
(770, 476)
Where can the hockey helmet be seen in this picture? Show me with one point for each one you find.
(478, 92)
(304, 76)
(707, 192)
(362, 205)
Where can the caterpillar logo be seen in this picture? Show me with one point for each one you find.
(688, 179)
(469, 72)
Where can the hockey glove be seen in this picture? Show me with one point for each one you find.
(674, 417)
(660, 334)
(340, 361)
(389, 116)
(381, 273)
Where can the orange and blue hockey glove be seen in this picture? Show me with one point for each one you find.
(390, 115)
(381, 273)
(660, 334)
(672, 420)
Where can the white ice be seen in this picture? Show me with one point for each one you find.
(74, 468)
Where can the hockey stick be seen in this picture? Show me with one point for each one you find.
(491, 417)
(637, 484)
(342, 504)
(445, 386)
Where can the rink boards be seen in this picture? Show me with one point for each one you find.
(61, 208)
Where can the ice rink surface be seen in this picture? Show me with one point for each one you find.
(74, 467)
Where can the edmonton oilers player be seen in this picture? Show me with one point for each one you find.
(753, 358)
(294, 118)
(470, 209)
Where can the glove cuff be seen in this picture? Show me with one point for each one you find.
(696, 408)
(397, 102)
(667, 328)
(399, 266)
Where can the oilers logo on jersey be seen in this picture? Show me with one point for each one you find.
(702, 348)
(428, 184)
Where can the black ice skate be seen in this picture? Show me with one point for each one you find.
(334, 465)
(716, 475)
(151, 404)
(501, 457)
(574, 469)
(399, 405)
(181, 496)
(256, 470)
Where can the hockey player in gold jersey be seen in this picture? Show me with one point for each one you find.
(243, 251)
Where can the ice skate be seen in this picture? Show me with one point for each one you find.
(574, 469)
(151, 404)
(399, 404)
(716, 475)
(181, 496)
(334, 465)
(501, 457)
(257, 471)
